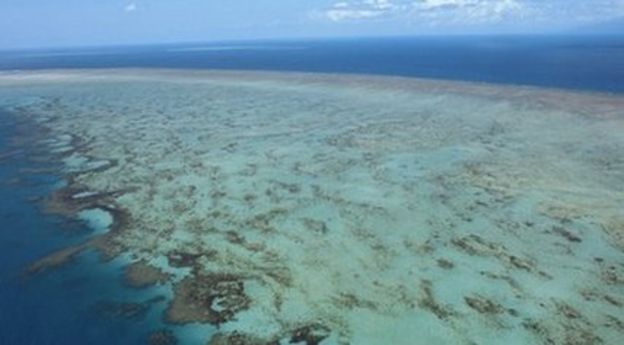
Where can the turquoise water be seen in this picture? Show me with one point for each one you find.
(358, 210)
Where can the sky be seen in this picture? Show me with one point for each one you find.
(67, 23)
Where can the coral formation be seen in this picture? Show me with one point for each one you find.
(321, 209)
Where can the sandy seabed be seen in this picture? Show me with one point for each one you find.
(325, 209)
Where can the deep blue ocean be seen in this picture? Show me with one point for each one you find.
(77, 303)
(572, 62)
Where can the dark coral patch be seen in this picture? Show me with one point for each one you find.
(182, 259)
(125, 310)
(445, 264)
(55, 259)
(312, 334)
(141, 274)
(568, 235)
(121, 310)
(236, 338)
(162, 337)
(211, 298)
(428, 301)
(483, 305)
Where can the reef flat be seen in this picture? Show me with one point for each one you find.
(324, 209)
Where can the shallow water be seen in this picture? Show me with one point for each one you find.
(353, 210)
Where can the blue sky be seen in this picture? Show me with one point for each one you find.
(56, 23)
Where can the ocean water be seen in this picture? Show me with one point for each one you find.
(78, 303)
(58, 308)
(338, 209)
(573, 62)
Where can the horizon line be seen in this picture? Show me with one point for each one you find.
(305, 39)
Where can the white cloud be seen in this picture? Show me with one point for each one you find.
(338, 15)
(131, 7)
(363, 9)
(469, 12)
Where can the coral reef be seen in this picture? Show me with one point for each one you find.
(293, 208)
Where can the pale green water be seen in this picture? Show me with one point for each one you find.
(388, 211)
